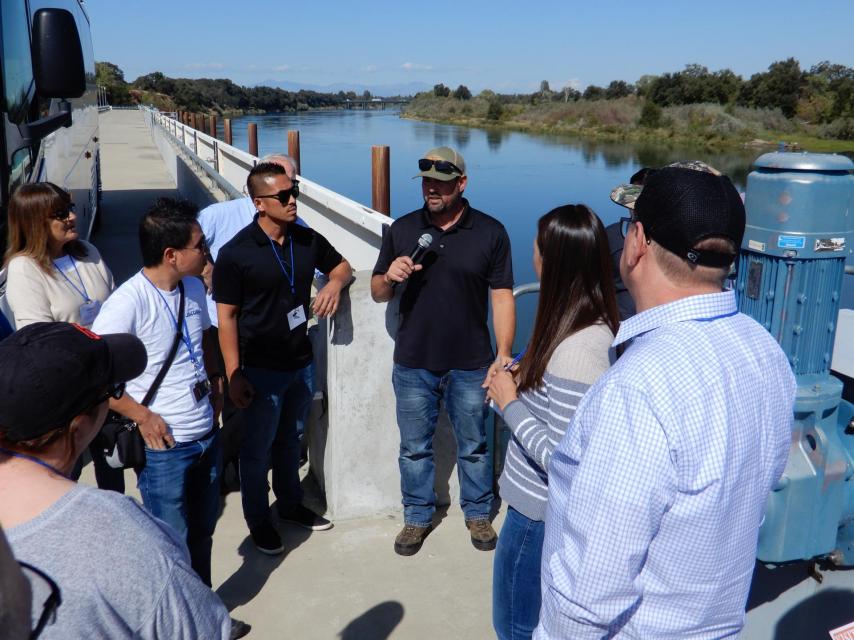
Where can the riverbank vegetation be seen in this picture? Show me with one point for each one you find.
(210, 96)
(806, 109)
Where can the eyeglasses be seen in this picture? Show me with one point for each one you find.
(114, 392)
(625, 223)
(442, 166)
(64, 214)
(45, 590)
(284, 196)
(201, 247)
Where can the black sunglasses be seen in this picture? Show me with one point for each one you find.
(284, 196)
(64, 214)
(201, 247)
(442, 166)
(40, 583)
(114, 392)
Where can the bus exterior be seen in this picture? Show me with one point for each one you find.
(48, 104)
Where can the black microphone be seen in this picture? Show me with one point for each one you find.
(417, 252)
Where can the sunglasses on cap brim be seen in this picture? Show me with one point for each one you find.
(442, 166)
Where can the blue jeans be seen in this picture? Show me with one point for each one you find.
(181, 487)
(516, 577)
(270, 439)
(418, 393)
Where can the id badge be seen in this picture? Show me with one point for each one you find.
(296, 317)
(88, 312)
(201, 390)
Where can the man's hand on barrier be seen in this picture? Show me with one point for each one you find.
(240, 390)
(326, 302)
(155, 432)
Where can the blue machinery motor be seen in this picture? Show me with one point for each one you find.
(800, 229)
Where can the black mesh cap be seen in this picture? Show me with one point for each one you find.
(680, 207)
(51, 372)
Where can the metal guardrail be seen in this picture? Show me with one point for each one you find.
(524, 289)
(354, 229)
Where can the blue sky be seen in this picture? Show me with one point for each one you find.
(505, 46)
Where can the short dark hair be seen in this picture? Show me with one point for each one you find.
(259, 173)
(168, 223)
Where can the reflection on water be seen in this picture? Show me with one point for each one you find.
(513, 176)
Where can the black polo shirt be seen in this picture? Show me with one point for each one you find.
(248, 274)
(443, 308)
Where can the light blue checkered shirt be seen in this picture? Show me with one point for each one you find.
(657, 490)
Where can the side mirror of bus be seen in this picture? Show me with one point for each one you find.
(58, 69)
(57, 55)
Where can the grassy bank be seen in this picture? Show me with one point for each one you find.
(626, 119)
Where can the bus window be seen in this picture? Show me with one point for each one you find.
(19, 168)
(17, 63)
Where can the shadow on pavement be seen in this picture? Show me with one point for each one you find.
(246, 583)
(376, 623)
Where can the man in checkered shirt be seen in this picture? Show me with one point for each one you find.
(658, 489)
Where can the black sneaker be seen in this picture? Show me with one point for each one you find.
(267, 539)
(305, 518)
(239, 629)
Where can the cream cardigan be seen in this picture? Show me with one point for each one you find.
(35, 296)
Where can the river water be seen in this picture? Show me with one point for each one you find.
(515, 177)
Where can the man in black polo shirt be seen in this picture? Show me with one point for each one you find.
(443, 349)
(262, 286)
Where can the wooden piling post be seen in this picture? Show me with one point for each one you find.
(213, 126)
(380, 183)
(252, 135)
(226, 130)
(293, 149)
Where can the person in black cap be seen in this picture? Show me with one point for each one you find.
(657, 491)
(118, 572)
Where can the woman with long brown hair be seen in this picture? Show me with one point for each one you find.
(54, 276)
(575, 324)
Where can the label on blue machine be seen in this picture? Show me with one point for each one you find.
(791, 242)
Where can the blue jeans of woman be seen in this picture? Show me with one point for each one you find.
(181, 487)
(516, 577)
(418, 393)
(270, 439)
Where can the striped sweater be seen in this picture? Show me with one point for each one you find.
(539, 418)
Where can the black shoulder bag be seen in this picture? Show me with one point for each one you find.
(119, 438)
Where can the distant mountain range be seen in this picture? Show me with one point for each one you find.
(382, 90)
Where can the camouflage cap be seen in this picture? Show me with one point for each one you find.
(626, 194)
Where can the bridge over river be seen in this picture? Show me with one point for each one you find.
(348, 582)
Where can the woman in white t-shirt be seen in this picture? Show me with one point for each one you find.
(53, 276)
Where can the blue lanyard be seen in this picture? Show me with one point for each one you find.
(289, 278)
(82, 291)
(24, 456)
(723, 315)
(185, 333)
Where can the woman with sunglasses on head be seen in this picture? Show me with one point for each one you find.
(53, 276)
(576, 322)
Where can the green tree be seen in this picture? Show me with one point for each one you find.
(650, 115)
(441, 91)
(544, 87)
(592, 92)
(495, 110)
(366, 95)
(462, 93)
(779, 87)
(618, 89)
(111, 77)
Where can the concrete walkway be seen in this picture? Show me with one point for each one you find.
(345, 583)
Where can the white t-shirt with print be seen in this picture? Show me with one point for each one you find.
(139, 308)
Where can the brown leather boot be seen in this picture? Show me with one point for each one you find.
(408, 542)
(483, 536)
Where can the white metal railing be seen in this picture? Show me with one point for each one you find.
(354, 229)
